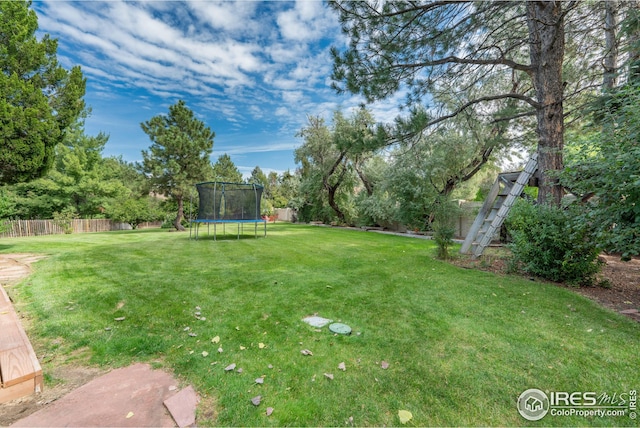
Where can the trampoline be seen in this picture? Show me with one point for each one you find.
(221, 203)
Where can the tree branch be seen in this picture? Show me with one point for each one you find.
(470, 61)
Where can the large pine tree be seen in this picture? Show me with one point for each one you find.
(179, 155)
(39, 99)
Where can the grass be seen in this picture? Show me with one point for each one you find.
(461, 344)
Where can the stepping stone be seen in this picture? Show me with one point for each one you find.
(316, 321)
(182, 407)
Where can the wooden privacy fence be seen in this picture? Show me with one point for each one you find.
(21, 228)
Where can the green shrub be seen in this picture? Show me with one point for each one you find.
(445, 213)
(443, 236)
(552, 243)
(64, 219)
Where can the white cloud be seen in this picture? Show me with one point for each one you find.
(282, 111)
(308, 20)
(292, 97)
(254, 67)
(227, 16)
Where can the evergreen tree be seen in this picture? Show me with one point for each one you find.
(39, 99)
(225, 170)
(179, 154)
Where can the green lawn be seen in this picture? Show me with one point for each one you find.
(461, 345)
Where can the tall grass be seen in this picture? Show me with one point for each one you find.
(461, 345)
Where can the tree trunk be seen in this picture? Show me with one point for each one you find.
(331, 189)
(333, 204)
(546, 45)
(178, 222)
(610, 37)
(365, 181)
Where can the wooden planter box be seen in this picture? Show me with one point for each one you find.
(20, 371)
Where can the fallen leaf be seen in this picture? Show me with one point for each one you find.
(384, 365)
(342, 366)
(242, 348)
(129, 415)
(328, 376)
(306, 352)
(230, 367)
(256, 400)
(269, 411)
(261, 345)
(205, 353)
(119, 319)
(405, 416)
(215, 339)
(260, 380)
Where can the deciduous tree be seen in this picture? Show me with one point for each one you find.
(436, 50)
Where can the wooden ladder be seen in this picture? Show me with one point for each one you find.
(495, 209)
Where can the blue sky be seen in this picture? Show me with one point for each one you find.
(253, 71)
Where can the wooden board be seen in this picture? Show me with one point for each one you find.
(17, 391)
(11, 336)
(15, 366)
(20, 370)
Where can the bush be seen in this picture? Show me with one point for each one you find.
(552, 243)
(443, 235)
(64, 219)
(134, 211)
(445, 213)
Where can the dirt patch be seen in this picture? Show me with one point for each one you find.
(620, 281)
(15, 267)
(622, 291)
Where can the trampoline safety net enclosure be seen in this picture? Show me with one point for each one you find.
(222, 203)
